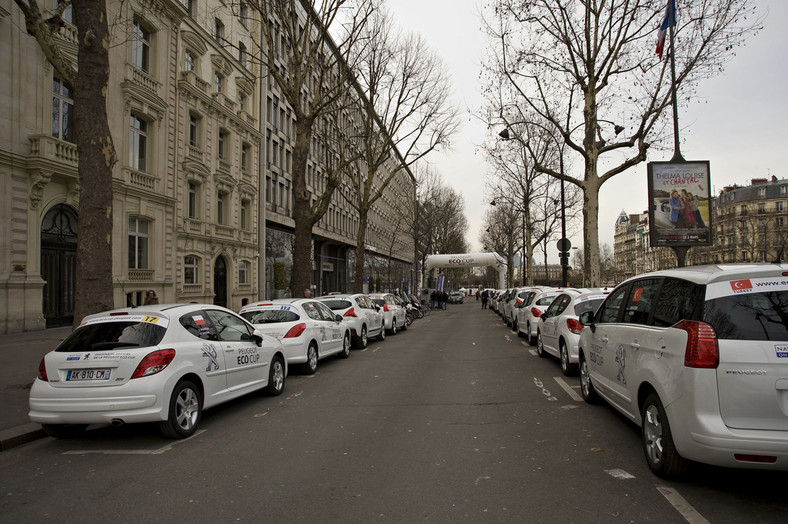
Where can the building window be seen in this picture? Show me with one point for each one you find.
(191, 270)
(243, 272)
(189, 6)
(242, 53)
(218, 82)
(194, 130)
(223, 147)
(62, 110)
(242, 98)
(779, 222)
(138, 243)
(67, 12)
(188, 61)
(218, 30)
(244, 215)
(140, 46)
(761, 207)
(138, 141)
(744, 256)
(243, 12)
(246, 153)
(192, 200)
(779, 205)
(761, 192)
(221, 207)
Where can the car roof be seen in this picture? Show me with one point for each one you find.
(720, 272)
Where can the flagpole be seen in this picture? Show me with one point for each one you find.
(676, 142)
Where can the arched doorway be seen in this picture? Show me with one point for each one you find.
(220, 282)
(58, 264)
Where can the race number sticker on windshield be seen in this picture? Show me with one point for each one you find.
(744, 286)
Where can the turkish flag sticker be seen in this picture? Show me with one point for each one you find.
(737, 285)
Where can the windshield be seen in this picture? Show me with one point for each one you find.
(749, 316)
(111, 335)
(588, 305)
(268, 316)
(337, 304)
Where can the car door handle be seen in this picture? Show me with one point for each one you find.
(635, 346)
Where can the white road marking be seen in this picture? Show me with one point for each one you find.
(689, 513)
(619, 474)
(569, 391)
(159, 451)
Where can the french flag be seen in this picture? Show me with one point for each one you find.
(669, 20)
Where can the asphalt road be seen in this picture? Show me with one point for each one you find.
(454, 420)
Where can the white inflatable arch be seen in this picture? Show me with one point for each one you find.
(470, 260)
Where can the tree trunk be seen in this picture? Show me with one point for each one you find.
(358, 279)
(592, 261)
(94, 288)
(302, 212)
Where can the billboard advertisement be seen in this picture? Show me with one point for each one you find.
(679, 195)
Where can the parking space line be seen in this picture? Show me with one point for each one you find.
(569, 390)
(682, 506)
(159, 451)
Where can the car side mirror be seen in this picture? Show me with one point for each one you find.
(257, 337)
(587, 319)
(545, 315)
(339, 318)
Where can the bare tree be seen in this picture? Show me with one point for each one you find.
(93, 286)
(579, 65)
(405, 115)
(307, 52)
(502, 229)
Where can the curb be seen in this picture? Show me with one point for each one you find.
(10, 438)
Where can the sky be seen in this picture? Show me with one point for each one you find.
(738, 121)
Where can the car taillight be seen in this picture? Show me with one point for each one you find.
(153, 363)
(350, 313)
(385, 307)
(574, 325)
(535, 312)
(42, 371)
(702, 349)
(296, 331)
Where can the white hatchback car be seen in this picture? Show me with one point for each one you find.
(364, 317)
(698, 357)
(306, 327)
(528, 314)
(393, 312)
(162, 363)
(558, 329)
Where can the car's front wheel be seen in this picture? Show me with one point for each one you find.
(661, 454)
(64, 431)
(393, 326)
(382, 334)
(276, 377)
(586, 386)
(540, 345)
(310, 367)
(345, 353)
(185, 411)
(363, 338)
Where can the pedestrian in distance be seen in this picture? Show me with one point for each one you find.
(307, 293)
(433, 298)
(151, 298)
(485, 296)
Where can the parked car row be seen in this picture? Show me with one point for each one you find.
(167, 363)
(695, 356)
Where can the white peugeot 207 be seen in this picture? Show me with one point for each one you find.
(162, 363)
(698, 357)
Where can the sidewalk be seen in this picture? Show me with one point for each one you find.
(20, 354)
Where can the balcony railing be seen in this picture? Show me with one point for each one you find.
(140, 275)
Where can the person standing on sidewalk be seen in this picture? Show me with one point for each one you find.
(485, 296)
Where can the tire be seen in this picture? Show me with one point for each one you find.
(64, 431)
(586, 386)
(393, 330)
(406, 324)
(345, 353)
(514, 325)
(658, 446)
(276, 377)
(419, 313)
(362, 340)
(531, 340)
(185, 411)
(540, 345)
(382, 334)
(567, 368)
(310, 366)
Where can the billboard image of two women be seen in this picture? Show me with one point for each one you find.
(680, 203)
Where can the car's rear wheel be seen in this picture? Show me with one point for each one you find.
(586, 386)
(345, 353)
(661, 454)
(64, 431)
(531, 338)
(382, 334)
(310, 367)
(363, 338)
(276, 377)
(185, 411)
(393, 326)
(514, 326)
(540, 345)
(567, 368)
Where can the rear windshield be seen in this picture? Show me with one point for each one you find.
(270, 316)
(749, 316)
(106, 336)
(337, 304)
(588, 305)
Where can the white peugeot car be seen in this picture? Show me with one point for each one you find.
(529, 312)
(307, 328)
(364, 317)
(558, 329)
(162, 363)
(393, 312)
(698, 357)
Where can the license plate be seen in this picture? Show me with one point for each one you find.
(87, 374)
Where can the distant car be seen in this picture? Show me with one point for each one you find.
(698, 358)
(393, 312)
(364, 317)
(162, 363)
(456, 297)
(521, 296)
(558, 329)
(528, 315)
(308, 329)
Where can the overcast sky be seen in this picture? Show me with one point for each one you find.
(739, 122)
